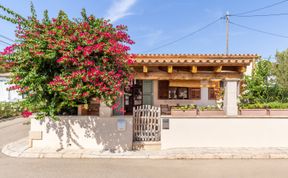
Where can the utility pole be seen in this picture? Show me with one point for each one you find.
(227, 32)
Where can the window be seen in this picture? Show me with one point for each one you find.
(182, 93)
(195, 93)
(211, 94)
(166, 92)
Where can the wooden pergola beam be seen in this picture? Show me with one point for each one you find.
(185, 76)
(194, 69)
(170, 69)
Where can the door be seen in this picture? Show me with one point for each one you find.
(148, 92)
(133, 96)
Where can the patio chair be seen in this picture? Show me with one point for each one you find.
(165, 109)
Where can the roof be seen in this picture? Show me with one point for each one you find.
(237, 59)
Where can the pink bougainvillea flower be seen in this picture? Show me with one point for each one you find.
(26, 113)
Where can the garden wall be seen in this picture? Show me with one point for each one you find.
(225, 132)
(82, 132)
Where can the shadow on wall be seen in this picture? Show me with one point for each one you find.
(86, 132)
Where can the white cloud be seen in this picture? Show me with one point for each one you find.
(119, 9)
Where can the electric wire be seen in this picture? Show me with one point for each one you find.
(261, 8)
(1, 41)
(261, 15)
(7, 38)
(257, 30)
(185, 36)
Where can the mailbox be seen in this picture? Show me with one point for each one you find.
(165, 123)
(121, 124)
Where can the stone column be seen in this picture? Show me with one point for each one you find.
(204, 92)
(231, 96)
(105, 111)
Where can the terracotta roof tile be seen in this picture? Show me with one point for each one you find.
(195, 58)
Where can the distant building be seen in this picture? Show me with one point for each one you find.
(5, 95)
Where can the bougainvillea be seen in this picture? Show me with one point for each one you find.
(60, 63)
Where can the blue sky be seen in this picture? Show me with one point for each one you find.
(153, 23)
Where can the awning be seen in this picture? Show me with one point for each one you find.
(193, 84)
(185, 83)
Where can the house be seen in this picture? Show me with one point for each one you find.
(181, 79)
(6, 95)
(170, 79)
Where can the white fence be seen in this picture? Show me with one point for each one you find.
(253, 132)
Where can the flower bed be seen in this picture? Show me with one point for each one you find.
(178, 112)
(188, 110)
(211, 111)
(278, 112)
(253, 112)
(265, 109)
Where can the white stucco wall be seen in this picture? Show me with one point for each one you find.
(225, 132)
(6, 95)
(202, 102)
(82, 132)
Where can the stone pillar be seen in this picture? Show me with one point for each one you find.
(204, 92)
(105, 111)
(231, 96)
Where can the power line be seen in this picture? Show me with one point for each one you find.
(261, 8)
(7, 38)
(4, 42)
(257, 30)
(186, 36)
(260, 15)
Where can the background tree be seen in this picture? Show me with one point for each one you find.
(281, 69)
(59, 63)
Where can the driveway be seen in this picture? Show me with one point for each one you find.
(135, 168)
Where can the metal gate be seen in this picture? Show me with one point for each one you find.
(146, 123)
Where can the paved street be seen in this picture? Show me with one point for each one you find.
(47, 168)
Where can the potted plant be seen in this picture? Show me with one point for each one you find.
(187, 110)
(211, 111)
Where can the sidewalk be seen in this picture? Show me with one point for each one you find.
(20, 149)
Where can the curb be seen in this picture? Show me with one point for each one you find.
(20, 149)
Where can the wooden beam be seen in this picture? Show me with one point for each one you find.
(170, 69)
(186, 76)
(194, 69)
(242, 69)
(218, 69)
(145, 69)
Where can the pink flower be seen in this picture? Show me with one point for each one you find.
(26, 113)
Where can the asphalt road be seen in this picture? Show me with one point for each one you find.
(126, 168)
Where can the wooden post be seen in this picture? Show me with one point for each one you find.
(242, 69)
(145, 69)
(170, 69)
(194, 69)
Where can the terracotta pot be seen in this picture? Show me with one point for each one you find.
(278, 112)
(253, 112)
(178, 112)
(211, 113)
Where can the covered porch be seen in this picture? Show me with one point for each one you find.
(184, 79)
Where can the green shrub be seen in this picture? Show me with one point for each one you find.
(209, 108)
(270, 105)
(10, 109)
(186, 107)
